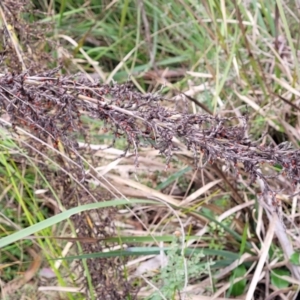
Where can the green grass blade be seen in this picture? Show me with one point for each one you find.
(64, 216)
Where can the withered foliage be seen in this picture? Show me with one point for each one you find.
(51, 115)
(50, 107)
(23, 44)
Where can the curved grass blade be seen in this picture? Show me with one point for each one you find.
(63, 216)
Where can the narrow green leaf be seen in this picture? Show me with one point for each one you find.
(138, 251)
(172, 178)
(62, 10)
(63, 216)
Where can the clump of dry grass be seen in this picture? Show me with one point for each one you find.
(23, 44)
(43, 110)
(49, 109)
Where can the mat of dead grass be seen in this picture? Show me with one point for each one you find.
(246, 73)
